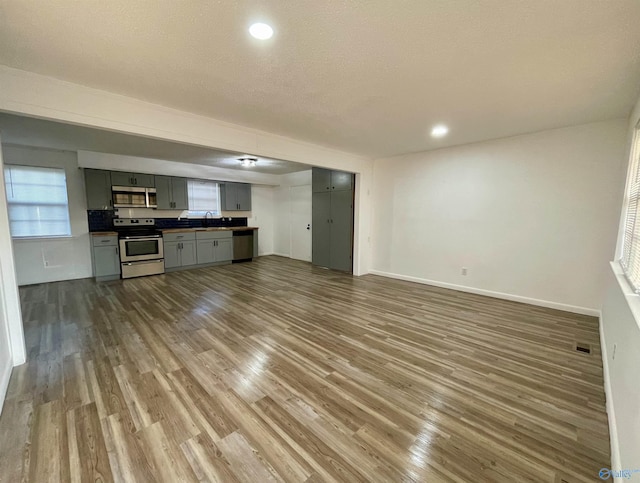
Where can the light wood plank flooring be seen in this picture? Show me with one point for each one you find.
(279, 371)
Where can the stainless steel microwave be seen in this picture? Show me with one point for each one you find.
(134, 197)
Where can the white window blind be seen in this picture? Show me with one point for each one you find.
(203, 196)
(631, 244)
(37, 200)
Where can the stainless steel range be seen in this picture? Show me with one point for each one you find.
(141, 247)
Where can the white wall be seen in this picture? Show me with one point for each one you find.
(531, 217)
(282, 204)
(53, 259)
(620, 340)
(12, 348)
(263, 215)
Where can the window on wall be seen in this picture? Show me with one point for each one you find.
(631, 243)
(37, 201)
(204, 196)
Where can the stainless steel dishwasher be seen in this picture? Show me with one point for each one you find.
(242, 245)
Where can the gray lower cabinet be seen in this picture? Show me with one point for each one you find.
(179, 254)
(235, 197)
(105, 257)
(179, 249)
(122, 178)
(214, 247)
(332, 220)
(98, 186)
(171, 193)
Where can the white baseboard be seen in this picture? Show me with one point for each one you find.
(286, 255)
(491, 293)
(4, 384)
(611, 415)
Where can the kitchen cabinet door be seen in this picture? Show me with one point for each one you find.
(224, 250)
(171, 255)
(320, 180)
(188, 253)
(144, 180)
(164, 193)
(121, 178)
(340, 244)
(106, 261)
(228, 197)
(179, 194)
(205, 251)
(321, 228)
(341, 181)
(243, 196)
(98, 186)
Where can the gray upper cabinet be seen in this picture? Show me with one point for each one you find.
(171, 193)
(321, 180)
(332, 219)
(235, 197)
(121, 178)
(98, 186)
(341, 181)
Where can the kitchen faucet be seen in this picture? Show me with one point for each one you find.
(206, 223)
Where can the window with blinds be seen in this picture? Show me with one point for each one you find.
(631, 243)
(203, 196)
(37, 201)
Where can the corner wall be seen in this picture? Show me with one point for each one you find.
(533, 218)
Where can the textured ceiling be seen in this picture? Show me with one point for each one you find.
(48, 134)
(369, 77)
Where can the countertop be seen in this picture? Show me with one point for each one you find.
(104, 233)
(232, 228)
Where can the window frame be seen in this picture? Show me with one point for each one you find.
(7, 167)
(217, 213)
(630, 245)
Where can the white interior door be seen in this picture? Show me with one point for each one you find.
(300, 197)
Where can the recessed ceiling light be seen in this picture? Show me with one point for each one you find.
(248, 162)
(261, 31)
(439, 131)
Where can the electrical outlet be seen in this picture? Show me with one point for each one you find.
(463, 271)
(613, 357)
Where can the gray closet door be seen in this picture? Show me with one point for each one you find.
(321, 229)
(163, 192)
(320, 180)
(341, 230)
(180, 194)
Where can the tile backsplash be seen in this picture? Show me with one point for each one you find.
(102, 220)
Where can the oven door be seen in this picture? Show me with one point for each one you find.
(136, 249)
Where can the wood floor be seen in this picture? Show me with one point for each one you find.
(279, 371)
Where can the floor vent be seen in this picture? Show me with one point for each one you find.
(586, 348)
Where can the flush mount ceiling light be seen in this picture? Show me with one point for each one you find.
(248, 162)
(261, 31)
(439, 131)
